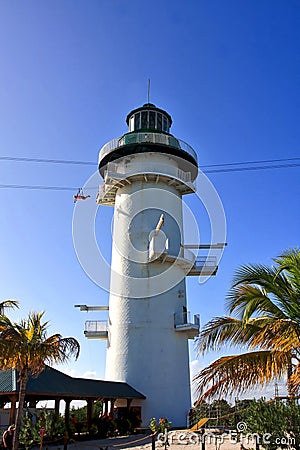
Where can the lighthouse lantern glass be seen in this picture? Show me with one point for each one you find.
(144, 120)
(137, 122)
(149, 120)
(152, 120)
(159, 121)
(165, 124)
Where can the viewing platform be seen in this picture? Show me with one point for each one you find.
(151, 138)
(141, 142)
(96, 329)
(184, 324)
(194, 265)
(117, 175)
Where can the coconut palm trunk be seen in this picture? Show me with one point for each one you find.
(23, 378)
(289, 383)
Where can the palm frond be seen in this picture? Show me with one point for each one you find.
(26, 347)
(238, 373)
(256, 284)
(281, 335)
(8, 304)
(288, 263)
(294, 381)
(264, 308)
(225, 330)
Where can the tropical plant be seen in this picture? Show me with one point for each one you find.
(32, 424)
(220, 413)
(26, 348)
(79, 415)
(162, 427)
(273, 424)
(264, 320)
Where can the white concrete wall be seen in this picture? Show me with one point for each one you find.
(144, 349)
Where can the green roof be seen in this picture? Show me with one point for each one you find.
(52, 383)
(7, 381)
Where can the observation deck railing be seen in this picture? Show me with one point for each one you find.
(184, 318)
(183, 323)
(118, 172)
(203, 265)
(115, 173)
(96, 329)
(146, 137)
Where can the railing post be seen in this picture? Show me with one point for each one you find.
(202, 434)
(153, 441)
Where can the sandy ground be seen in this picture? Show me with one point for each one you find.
(178, 440)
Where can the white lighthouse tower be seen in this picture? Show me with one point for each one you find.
(146, 172)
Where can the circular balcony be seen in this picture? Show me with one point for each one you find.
(131, 143)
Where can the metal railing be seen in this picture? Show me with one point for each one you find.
(207, 261)
(96, 326)
(184, 318)
(153, 138)
(126, 171)
(198, 261)
(158, 246)
(187, 254)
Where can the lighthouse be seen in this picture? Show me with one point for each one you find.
(146, 172)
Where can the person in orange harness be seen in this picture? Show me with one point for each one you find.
(80, 196)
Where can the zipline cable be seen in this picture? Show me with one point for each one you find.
(90, 163)
(242, 169)
(51, 161)
(232, 169)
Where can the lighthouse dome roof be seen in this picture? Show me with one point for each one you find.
(149, 116)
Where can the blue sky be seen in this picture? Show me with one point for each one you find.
(227, 72)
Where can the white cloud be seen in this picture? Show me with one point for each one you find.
(90, 374)
(70, 372)
(195, 367)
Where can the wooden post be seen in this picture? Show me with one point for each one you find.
(12, 414)
(129, 401)
(112, 406)
(67, 414)
(89, 413)
(66, 438)
(105, 410)
(202, 434)
(153, 441)
(56, 407)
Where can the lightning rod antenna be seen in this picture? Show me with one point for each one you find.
(148, 90)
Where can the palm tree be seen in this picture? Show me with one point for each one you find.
(264, 322)
(26, 348)
(8, 304)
